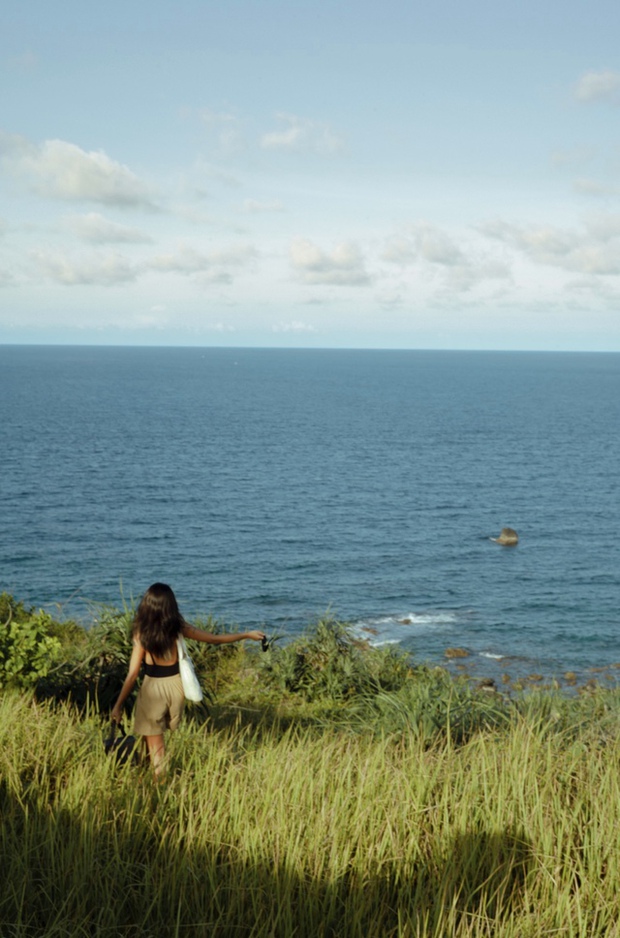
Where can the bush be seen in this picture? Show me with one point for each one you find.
(28, 649)
(328, 663)
(94, 667)
(433, 706)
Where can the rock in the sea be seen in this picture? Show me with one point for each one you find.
(456, 653)
(508, 537)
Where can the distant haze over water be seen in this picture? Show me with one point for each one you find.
(268, 485)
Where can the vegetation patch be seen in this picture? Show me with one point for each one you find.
(325, 789)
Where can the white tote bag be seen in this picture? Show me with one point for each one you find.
(191, 686)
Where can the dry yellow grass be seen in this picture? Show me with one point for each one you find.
(271, 832)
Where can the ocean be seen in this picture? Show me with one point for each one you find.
(268, 487)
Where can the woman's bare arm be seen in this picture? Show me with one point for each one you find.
(135, 663)
(198, 635)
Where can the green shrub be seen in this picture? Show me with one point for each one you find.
(432, 706)
(28, 650)
(329, 663)
(94, 667)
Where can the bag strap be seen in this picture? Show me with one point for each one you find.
(114, 727)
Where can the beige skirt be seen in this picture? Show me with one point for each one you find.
(159, 705)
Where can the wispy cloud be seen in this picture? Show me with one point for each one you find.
(101, 270)
(57, 169)
(303, 134)
(593, 251)
(593, 187)
(343, 266)
(434, 257)
(423, 241)
(599, 86)
(226, 128)
(207, 266)
(257, 207)
(603, 226)
(294, 326)
(96, 229)
(7, 277)
(217, 175)
(400, 250)
(575, 158)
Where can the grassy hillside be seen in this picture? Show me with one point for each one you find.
(324, 790)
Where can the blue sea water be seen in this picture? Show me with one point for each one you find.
(267, 486)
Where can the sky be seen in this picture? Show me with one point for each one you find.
(311, 174)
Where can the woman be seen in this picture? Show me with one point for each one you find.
(156, 627)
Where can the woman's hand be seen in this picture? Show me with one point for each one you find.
(116, 714)
(256, 636)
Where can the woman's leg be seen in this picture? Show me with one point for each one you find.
(156, 750)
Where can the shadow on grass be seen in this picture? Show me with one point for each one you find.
(120, 873)
(264, 720)
(484, 872)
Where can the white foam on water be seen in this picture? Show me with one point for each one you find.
(391, 630)
(417, 619)
(427, 618)
(488, 654)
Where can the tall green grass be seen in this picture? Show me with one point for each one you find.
(315, 827)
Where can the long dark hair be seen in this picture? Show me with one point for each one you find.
(158, 622)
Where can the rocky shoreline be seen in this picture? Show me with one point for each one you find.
(492, 673)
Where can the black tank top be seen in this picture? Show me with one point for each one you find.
(161, 670)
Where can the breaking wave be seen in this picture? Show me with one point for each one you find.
(393, 629)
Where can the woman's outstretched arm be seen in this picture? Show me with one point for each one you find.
(198, 635)
(135, 663)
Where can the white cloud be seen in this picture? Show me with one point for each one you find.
(436, 246)
(60, 170)
(479, 272)
(593, 251)
(603, 226)
(6, 278)
(593, 290)
(95, 228)
(432, 259)
(599, 86)
(593, 259)
(390, 298)
(226, 128)
(193, 215)
(542, 243)
(209, 267)
(217, 175)
(400, 250)
(156, 318)
(423, 241)
(294, 326)
(344, 266)
(301, 133)
(593, 188)
(577, 157)
(105, 271)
